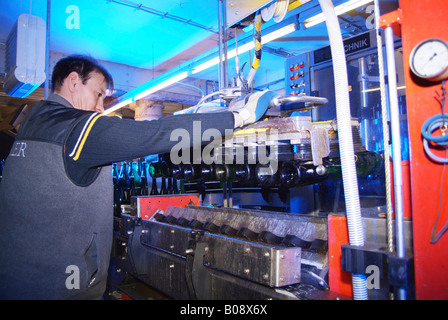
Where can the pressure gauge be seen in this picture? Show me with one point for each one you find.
(429, 59)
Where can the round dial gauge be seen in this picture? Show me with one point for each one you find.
(429, 59)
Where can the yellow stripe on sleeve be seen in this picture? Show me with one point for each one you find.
(84, 138)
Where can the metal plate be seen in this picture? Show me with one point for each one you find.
(145, 206)
(237, 10)
(269, 265)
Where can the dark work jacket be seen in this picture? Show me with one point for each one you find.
(56, 195)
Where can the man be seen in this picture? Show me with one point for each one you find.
(56, 194)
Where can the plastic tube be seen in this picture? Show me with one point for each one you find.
(349, 177)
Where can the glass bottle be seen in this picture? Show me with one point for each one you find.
(191, 172)
(155, 169)
(291, 174)
(144, 179)
(131, 178)
(267, 175)
(207, 173)
(136, 179)
(155, 172)
(154, 191)
(163, 189)
(126, 184)
(177, 171)
(224, 172)
(244, 173)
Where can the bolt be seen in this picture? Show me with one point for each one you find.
(321, 170)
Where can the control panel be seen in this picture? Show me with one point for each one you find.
(297, 75)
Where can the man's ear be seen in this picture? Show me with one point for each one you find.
(72, 80)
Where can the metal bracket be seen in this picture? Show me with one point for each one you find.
(398, 271)
(197, 276)
(320, 144)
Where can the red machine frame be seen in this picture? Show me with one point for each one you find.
(150, 204)
(421, 20)
(414, 22)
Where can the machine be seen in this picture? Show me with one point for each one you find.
(261, 213)
(235, 230)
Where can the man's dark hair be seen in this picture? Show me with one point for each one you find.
(83, 65)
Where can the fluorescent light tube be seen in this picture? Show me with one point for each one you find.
(246, 47)
(210, 63)
(143, 90)
(278, 33)
(340, 9)
(161, 85)
(118, 106)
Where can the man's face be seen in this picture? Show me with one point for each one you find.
(89, 96)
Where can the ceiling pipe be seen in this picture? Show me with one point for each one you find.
(222, 21)
(161, 14)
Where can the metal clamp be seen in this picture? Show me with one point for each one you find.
(196, 274)
(398, 271)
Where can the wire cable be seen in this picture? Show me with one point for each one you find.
(190, 85)
(437, 122)
(435, 237)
